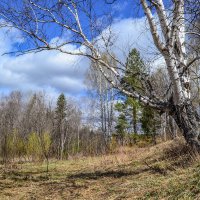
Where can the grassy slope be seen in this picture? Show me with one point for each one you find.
(160, 172)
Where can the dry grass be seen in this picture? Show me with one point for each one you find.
(165, 171)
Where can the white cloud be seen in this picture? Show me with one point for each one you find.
(50, 70)
(131, 33)
(57, 72)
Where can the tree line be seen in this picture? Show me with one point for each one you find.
(32, 128)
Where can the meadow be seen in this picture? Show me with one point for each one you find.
(165, 171)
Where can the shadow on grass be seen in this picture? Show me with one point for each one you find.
(70, 187)
(110, 174)
(42, 176)
(25, 176)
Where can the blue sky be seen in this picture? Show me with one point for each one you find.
(55, 72)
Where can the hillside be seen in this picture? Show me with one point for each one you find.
(159, 172)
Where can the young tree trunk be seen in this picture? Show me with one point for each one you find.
(135, 120)
(61, 152)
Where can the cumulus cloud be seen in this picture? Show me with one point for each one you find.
(131, 33)
(49, 70)
(56, 72)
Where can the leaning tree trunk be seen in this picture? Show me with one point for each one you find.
(187, 120)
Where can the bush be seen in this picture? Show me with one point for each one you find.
(33, 147)
(15, 145)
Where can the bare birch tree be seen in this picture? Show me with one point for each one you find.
(36, 19)
(102, 96)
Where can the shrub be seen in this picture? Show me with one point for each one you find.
(33, 147)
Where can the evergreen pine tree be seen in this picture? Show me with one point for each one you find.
(135, 70)
(60, 116)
